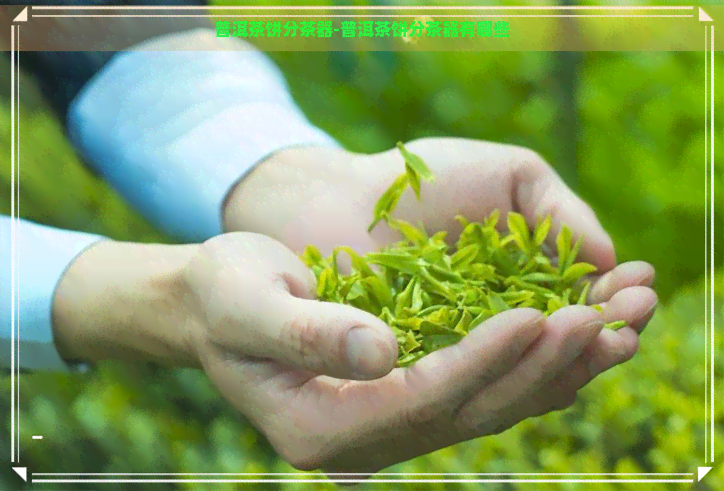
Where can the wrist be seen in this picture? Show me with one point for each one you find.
(125, 301)
(288, 165)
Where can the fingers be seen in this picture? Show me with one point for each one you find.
(487, 353)
(256, 296)
(634, 273)
(566, 333)
(325, 338)
(538, 191)
(635, 306)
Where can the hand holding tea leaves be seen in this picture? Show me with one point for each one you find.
(432, 298)
(512, 365)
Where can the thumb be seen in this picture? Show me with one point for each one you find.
(322, 337)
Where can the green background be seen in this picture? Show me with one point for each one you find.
(625, 130)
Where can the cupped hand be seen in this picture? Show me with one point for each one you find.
(516, 365)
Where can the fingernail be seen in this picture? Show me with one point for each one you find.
(612, 340)
(649, 314)
(367, 352)
(591, 329)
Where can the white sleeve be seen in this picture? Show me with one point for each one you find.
(174, 130)
(42, 255)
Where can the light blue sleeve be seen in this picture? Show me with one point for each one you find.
(173, 131)
(36, 259)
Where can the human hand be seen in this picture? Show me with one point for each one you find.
(326, 197)
(280, 358)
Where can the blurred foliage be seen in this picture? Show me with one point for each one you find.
(625, 130)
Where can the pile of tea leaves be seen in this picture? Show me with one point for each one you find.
(432, 296)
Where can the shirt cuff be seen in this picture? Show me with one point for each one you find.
(174, 130)
(42, 256)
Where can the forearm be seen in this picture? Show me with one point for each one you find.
(125, 301)
(175, 122)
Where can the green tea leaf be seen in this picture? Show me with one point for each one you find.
(583, 298)
(437, 286)
(413, 234)
(404, 299)
(359, 263)
(378, 290)
(541, 278)
(574, 252)
(326, 284)
(554, 304)
(519, 230)
(614, 326)
(389, 199)
(541, 231)
(578, 271)
(497, 304)
(400, 261)
(415, 163)
(410, 343)
(463, 257)
(346, 287)
(417, 298)
(464, 322)
(563, 241)
(479, 319)
(312, 257)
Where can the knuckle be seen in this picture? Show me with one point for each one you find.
(305, 340)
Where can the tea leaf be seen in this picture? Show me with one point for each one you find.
(410, 342)
(583, 298)
(481, 317)
(554, 304)
(578, 271)
(614, 326)
(312, 257)
(346, 288)
(400, 261)
(463, 257)
(389, 199)
(379, 290)
(414, 179)
(415, 163)
(541, 278)
(563, 242)
(413, 234)
(574, 252)
(497, 304)
(520, 232)
(404, 299)
(359, 263)
(436, 286)
(541, 231)
(464, 322)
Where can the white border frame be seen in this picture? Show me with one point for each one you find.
(709, 252)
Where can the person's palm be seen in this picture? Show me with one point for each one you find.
(516, 365)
